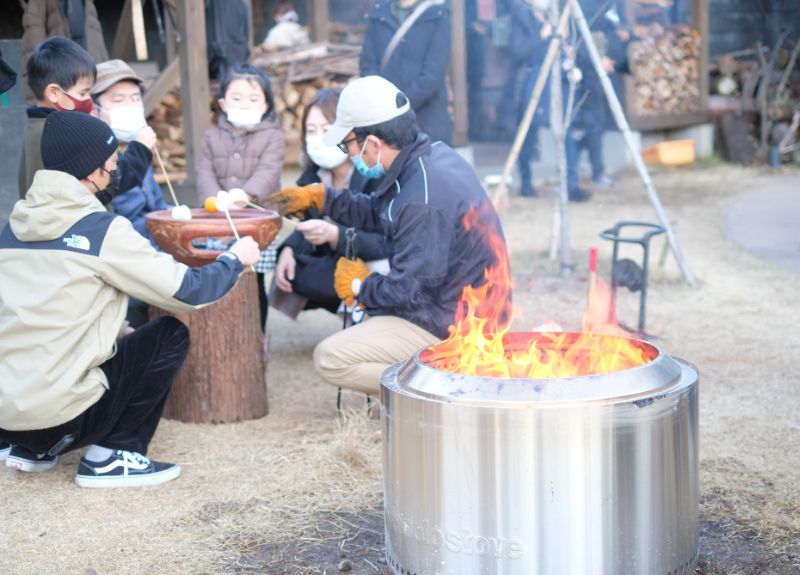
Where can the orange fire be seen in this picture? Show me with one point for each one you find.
(481, 344)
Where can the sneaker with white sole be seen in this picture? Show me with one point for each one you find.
(125, 469)
(23, 459)
(5, 448)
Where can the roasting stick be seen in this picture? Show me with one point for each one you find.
(235, 232)
(166, 176)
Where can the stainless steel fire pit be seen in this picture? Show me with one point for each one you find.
(576, 476)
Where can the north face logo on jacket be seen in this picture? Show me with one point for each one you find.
(77, 242)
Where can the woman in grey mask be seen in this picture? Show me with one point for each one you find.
(307, 258)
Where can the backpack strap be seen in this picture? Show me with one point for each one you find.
(401, 31)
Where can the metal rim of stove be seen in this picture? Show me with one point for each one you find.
(417, 378)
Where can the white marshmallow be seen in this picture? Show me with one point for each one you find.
(238, 197)
(223, 201)
(181, 212)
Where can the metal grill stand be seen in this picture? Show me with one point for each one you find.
(626, 273)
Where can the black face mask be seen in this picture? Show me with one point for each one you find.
(112, 189)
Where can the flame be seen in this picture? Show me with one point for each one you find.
(481, 344)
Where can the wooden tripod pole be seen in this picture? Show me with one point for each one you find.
(622, 124)
(501, 192)
(559, 125)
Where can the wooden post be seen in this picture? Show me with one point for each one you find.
(195, 93)
(137, 23)
(458, 72)
(700, 22)
(169, 31)
(166, 80)
(123, 39)
(320, 20)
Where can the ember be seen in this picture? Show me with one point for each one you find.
(480, 342)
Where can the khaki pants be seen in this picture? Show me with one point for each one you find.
(354, 358)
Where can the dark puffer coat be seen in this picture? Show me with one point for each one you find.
(419, 64)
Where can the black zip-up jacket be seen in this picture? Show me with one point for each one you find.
(420, 206)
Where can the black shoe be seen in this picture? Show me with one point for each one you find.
(5, 448)
(579, 195)
(124, 469)
(528, 191)
(23, 459)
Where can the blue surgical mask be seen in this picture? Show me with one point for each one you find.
(373, 173)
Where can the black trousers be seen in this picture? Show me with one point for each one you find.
(126, 416)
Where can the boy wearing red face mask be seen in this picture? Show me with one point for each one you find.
(61, 75)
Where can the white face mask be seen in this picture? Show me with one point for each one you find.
(242, 118)
(327, 157)
(127, 121)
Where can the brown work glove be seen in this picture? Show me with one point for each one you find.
(296, 200)
(346, 272)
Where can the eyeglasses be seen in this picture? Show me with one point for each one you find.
(343, 145)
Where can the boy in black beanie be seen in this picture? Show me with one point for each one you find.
(69, 377)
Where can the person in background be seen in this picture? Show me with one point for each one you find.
(307, 258)
(287, 31)
(415, 58)
(530, 35)
(227, 34)
(72, 376)
(73, 19)
(245, 150)
(594, 116)
(62, 75)
(117, 95)
(435, 218)
(8, 77)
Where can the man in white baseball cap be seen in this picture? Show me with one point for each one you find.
(426, 189)
(366, 102)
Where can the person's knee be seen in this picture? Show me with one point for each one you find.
(174, 336)
(326, 360)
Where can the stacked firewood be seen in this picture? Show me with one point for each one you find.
(166, 119)
(756, 105)
(665, 64)
(298, 73)
(167, 122)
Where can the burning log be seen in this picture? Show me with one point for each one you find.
(665, 64)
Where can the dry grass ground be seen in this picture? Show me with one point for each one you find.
(299, 491)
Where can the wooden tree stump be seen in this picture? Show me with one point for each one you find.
(223, 378)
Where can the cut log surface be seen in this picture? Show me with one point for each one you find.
(665, 63)
(223, 377)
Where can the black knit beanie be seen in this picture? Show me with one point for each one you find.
(76, 143)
